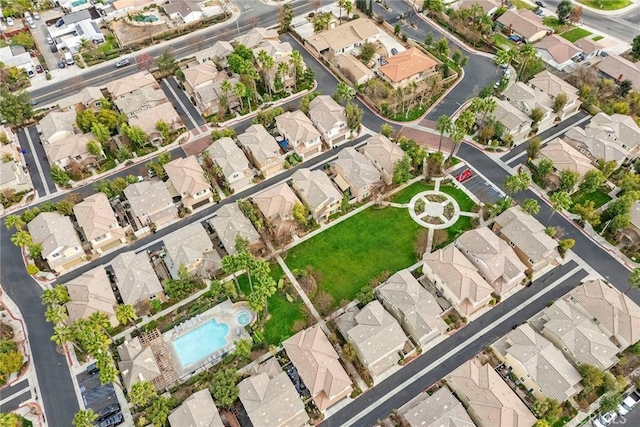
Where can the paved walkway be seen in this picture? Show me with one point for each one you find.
(298, 288)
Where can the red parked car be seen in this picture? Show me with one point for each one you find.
(464, 175)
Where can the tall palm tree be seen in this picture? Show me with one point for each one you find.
(296, 62)
(56, 314)
(252, 74)
(457, 135)
(141, 393)
(443, 125)
(348, 7)
(344, 92)
(488, 105)
(340, 7)
(266, 63)
(21, 238)
(283, 70)
(62, 334)
(226, 87)
(125, 313)
(466, 120)
(527, 53)
(84, 418)
(506, 56)
(240, 90)
(14, 221)
(230, 266)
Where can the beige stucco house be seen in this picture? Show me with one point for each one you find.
(441, 409)
(527, 237)
(281, 53)
(63, 142)
(355, 173)
(148, 120)
(618, 68)
(99, 223)
(233, 162)
(126, 85)
(255, 36)
(329, 118)
(558, 52)
(187, 180)
(317, 192)
(186, 247)
(61, 246)
(229, 223)
(151, 203)
(496, 261)
(199, 75)
(319, 366)
(458, 280)
(576, 335)
(276, 204)
(411, 65)
(515, 122)
(553, 86)
(138, 363)
(344, 38)
(135, 277)
(526, 99)
(489, 400)
(524, 23)
(415, 308)
(300, 133)
(384, 154)
(262, 149)
(538, 364)
(13, 176)
(353, 69)
(91, 293)
(565, 157)
(140, 99)
(376, 335)
(197, 410)
(87, 98)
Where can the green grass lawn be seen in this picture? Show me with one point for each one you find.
(606, 4)
(464, 201)
(350, 254)
(463, 224)
(599, 198)
(405, 195)
(520, 4)
(553, 23)
(596, 38)
(575, 34)
(501, 40)
(283, 313)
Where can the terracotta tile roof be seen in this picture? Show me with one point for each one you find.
(406, 64)
(441, 409)
(91, 293)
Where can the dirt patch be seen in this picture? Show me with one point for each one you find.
(127, 33)
(427, 139)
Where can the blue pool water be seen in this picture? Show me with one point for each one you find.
(201, 342)
(244, 318)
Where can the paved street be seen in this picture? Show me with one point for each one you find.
(12, 396)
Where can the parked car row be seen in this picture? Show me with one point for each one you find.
(628, 403)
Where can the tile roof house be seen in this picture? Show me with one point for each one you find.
(345, 37)
(148, 120)
(255, 36)
(489, 400)
(458, 280)
(57, 126)
(281, 53)
(565, 157)
(184, 10)
(197, 410)
(218, 53)
(538, 364)
(87, 98)
(412, 65)
(262, 149)
(618, 68)
(233, 162)
(376, 335)
(384, 154)
(356, 173)
(135, 277)
(61, 247)
(441, 409)
(199, 75)
(589, 47)
(527, 237)
(126, 85)
(614, 137)
(576, 335)
(209, 97)
(557, 51)
(187, 180)
(276, 204)
(138, 363)
(553, 86)
(488, 6)
(151, 203)
(496, 261)
(630, 236)
(525, 23)
(515, 122)
(319, 366)
(71, 149)
(329, 118)
(317, 192)
(91, 293)
(300, 133)
(353, 69)
(525, 98)
(614, 312)
(98, 222)
(140, 99)
(13, 176)
(230, 223)
(413, 306)
(271, 400)
(187, 247)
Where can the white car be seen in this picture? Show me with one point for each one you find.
(605, 419)
(507, 73)
(32, 24)
(36, 16)
(627, 404)
(10, 21)
(49, 39)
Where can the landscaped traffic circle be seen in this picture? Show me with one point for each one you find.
(434, 209)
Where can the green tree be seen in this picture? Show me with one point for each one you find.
(564, 245)
(300, 214)
(610, 402)
(59, 176)
(559, 102)
(620, 221)
(607, 166)
(159, 411)
(592, 180)
(635, 47)
(15, 107)
(166, 63)
(141, 393)
(21, 238)
(135, 134)
(35, 251)
(344, 93)
(527, 53)
(285, 15)
(568, 180)
(243, 349)
(592, 377)
(349, 352)
(516, 183)
(533, 148)
(365, 295)
(296, 62)
(629, 182)
(443, 125)
(224, 388)
(164, 129)
(433, 6)
(387, 130)
(354, 116)
(14, 221)
(531, 206)
(125, 313)
(109, 118)
(94, 148)
(24, 39)
(402, 170)
(367, 50)
(536, 115)
(550, 409)
(84, 418)
(588, 212)
(85, 119)
(564, 10)
(634, 281)
(560, 200)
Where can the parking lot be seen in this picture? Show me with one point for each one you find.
(482, 189)
(95, 395)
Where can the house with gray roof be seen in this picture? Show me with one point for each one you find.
(300, 133)
(184, 10)
(255, 36)
(356, 174)
(229, 223)
(527, 236)
(538, 364)
(197, 410)
(514, 121)
(137, 364)
(376, 335)
(186, 247)
(61, 246)
(576, 335)
(232, 161)
(496, 261)
(317, 192)
(135, 277)
(271, 400)
(98, 223)
(91, 293)
(441, 409)
(525, 23)
(415, 308)
(151, 203)
(384, 154)
(329, 118)
(526, 99)
(262, 149)
(553, 86)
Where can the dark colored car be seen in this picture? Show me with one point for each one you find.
(59, 23)
(541, 4)
(113, 420)
(61, 64)
(394, 51)
(54, 48)
(92, 369)
(108, 411)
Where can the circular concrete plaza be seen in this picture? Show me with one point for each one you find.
(434, 209)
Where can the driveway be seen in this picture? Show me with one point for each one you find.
(40, 34)
(482, 189)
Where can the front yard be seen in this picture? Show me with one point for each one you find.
(606, 4)
(575, 34)
(598, 197)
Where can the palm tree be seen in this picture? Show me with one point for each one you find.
(527, 53)
(266, 62)
(230, 266)
(348, 7)
(266, 286)
(506, 56)
(83, 44)
(21, 238)
(84, 418)
(340, 7)
(56, 314)
(457, 135)
(226, 87)
(488, 105)
(443, 125)
(107, 367)
(141, 393)
(283, 69)
(62, 334)
(634, 278)
(14, 221)
(125, 313)
(296, 61)
(560, 200)
(344, 92)
(252, 74)
(531, 206)
(466, 120)
(240, 90)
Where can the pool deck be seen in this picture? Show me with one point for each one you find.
(225, 312)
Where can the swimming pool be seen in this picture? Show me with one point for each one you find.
(244, 318)
(201, 342)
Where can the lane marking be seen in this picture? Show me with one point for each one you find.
(177, 98)
(45, 184)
